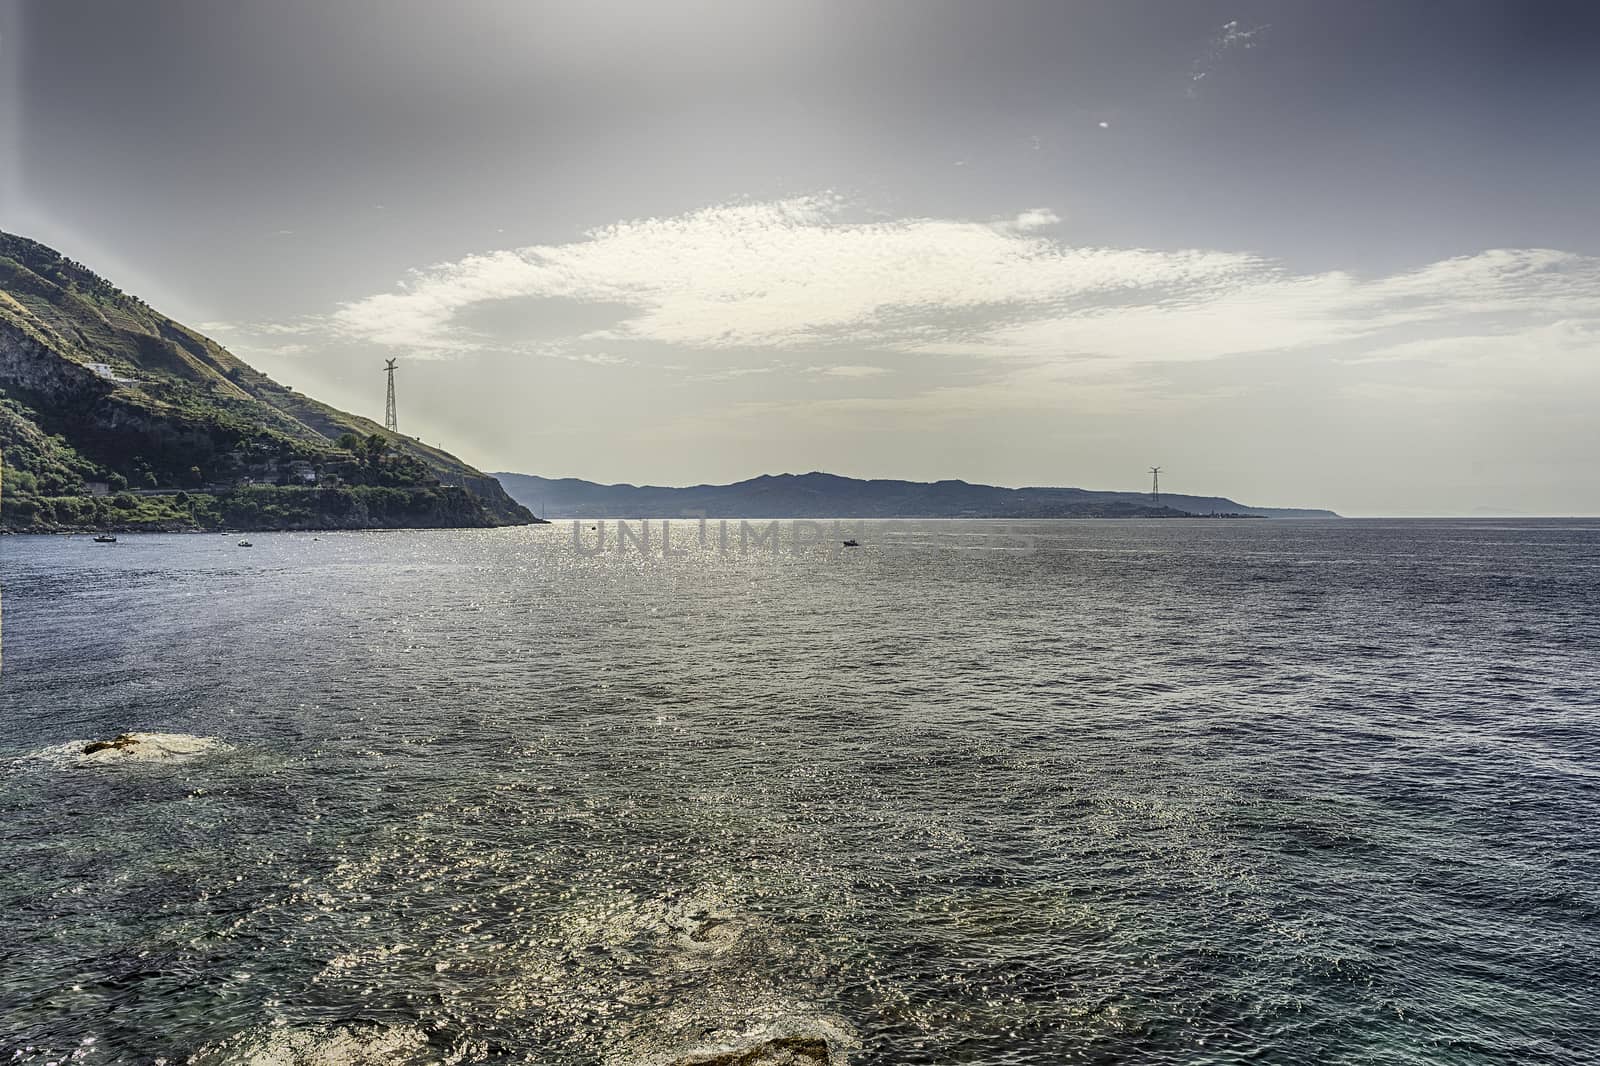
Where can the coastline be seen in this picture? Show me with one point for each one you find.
(86, 531)
(265, 509)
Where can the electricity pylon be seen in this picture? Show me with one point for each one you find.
(389, 421)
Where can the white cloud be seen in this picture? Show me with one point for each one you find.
(1476, 296)
(805, 275)
(737, 372)
(775, 275)
(848, 371)
(1564, 351)
(1037, 218)
(298, 327)
(264, 338)
(1232, 36)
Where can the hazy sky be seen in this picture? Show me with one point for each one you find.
(1338, 254)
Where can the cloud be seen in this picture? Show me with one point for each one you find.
(1232, 36)
(297, 328)
(1269, 309)
(1036, 218)
(737, 372)
(1565, 350)
(754, 281)
(265, 338)
(781, 274)
(854, 371)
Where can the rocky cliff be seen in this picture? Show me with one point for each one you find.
(113, 415)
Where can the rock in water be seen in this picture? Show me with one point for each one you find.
(146, 747)
(780, 1051)
(120, 742)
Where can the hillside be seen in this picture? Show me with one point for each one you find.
(818, 495)
(115, 416)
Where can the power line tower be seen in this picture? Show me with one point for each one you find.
(1155, 485)
(389, 421)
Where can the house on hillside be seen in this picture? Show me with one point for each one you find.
(299, 472)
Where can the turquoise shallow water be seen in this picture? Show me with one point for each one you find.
(1157, 792)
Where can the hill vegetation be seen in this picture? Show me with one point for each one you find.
(115, 416)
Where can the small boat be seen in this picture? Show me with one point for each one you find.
(246, 544)
(105, 538)
(852, 544)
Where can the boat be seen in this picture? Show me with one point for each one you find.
(246, 544)
(852, 544)
(105, 538)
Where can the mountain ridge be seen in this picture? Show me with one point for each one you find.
(822, 495)
(111, 411)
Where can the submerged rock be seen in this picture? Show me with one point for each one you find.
(777, 1051)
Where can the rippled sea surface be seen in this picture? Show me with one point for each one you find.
(1139, 792)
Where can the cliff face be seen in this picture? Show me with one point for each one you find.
(101, 395)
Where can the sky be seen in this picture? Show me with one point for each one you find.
(1334, 254)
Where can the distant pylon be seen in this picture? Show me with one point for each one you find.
(1155, 479)
(390, 423)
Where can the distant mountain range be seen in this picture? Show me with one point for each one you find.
(818, 495)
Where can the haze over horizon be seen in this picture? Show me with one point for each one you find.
(1337, 255)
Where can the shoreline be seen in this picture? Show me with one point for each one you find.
(120, 530)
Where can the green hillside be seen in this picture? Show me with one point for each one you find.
(112, 415)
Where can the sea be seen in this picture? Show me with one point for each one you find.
(1088, 792)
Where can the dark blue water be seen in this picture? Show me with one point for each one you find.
(1156, 792)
